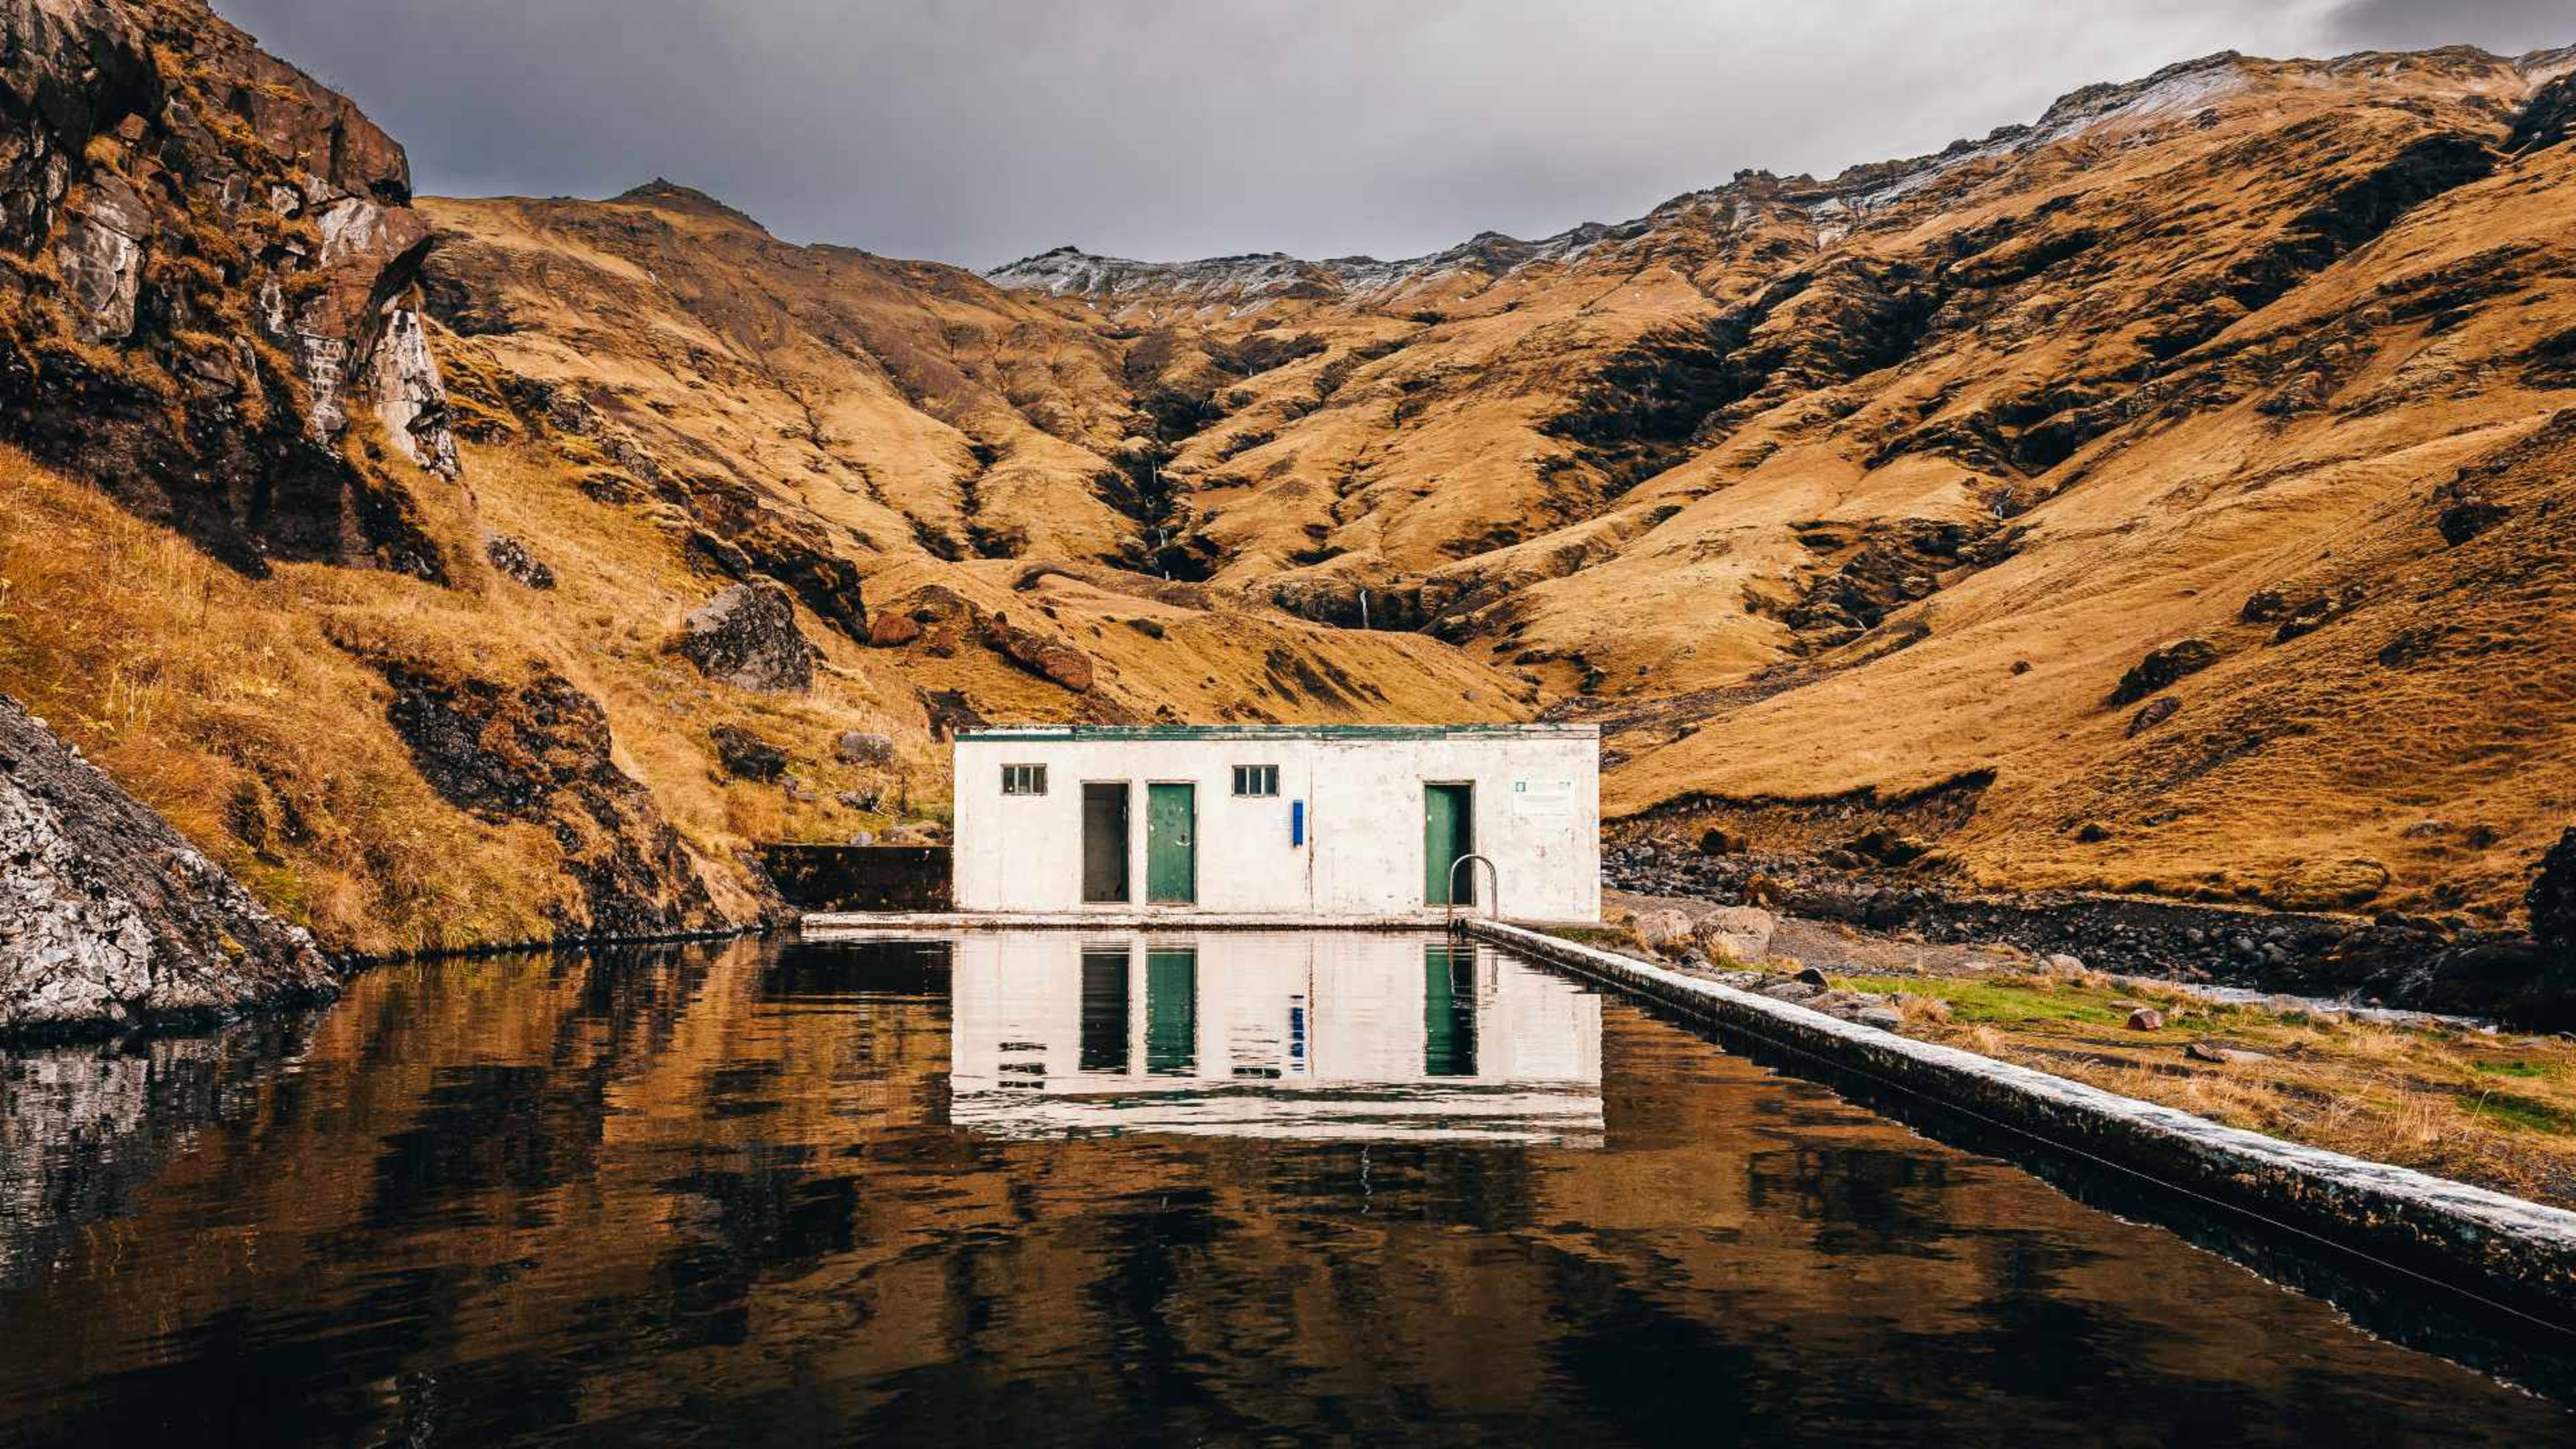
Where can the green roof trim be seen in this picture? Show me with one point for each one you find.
(1071, 734)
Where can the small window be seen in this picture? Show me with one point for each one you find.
(1256, 779)
(1024, 779)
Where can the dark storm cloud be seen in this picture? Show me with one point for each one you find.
(2508, 27)
(981, 130)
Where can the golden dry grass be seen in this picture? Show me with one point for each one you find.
(2494, 1109)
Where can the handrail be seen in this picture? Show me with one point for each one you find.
(1494, 898)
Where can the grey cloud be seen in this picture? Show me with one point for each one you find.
(2508, 27)
(977, 131)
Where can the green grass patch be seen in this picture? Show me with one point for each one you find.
(1605, 937)
(2524, 1070)
(2519, 1111)
(1985, 1001)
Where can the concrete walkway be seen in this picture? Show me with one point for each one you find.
(2501, 1248)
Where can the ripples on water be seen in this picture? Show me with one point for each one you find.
(1216, 1188)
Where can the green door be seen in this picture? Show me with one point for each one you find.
(1172, 1012)
(1171, 845)
(1448, 832)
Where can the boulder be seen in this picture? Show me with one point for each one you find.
(1887, 847)
(1043, 655)
(1663, 930)
(860, 747)
(2466, 520)
(513, 560)
(1885, 1018)
(890, 631)
(2146, 1018)
(2153, 713)
(747, 637)
(747, 756)
(110, 920)
(2161, 667)
(1739, 933)
(1812, 977)
(1718, 840)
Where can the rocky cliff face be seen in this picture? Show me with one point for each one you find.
(208, 299)
(110, 920)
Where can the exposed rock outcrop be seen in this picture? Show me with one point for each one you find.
(109, 920)
(539, 751)
(1048, 658)
(2161, 667)
(747, 756)
(747, 637)
(2553, 902)
(207, 269)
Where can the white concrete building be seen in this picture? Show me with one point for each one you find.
(1332, 821)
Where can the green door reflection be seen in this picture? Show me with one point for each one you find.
(1172, 1012)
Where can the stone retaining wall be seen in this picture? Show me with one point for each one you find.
(2498, 1247)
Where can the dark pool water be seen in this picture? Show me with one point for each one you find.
(1039, 1189)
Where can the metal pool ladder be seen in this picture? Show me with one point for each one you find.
(1493, 896)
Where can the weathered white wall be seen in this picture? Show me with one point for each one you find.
(1363, 850)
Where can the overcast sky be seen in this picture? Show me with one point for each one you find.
(978, 131)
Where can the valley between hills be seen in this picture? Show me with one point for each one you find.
(2166, 497)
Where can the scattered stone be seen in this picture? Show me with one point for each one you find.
(2092, 832)
(890, 630)
(2021, 667)
(1811, 976)
(1718, 840)
(2201, 1051)
(514, 561)
(2155, 712)
(2162, 667)
(2062, 964)
(1150, 628)
(858, 799)
(1883, 1017)
(1663, 930)
(1048, 658)
(1741, 933)
(860, 747)
(747, 637)
(746, 755)
(2146, 1018)
(2467, 519)
(2265, 606)
(1887, 847)
(1791, 991)
(862, 838)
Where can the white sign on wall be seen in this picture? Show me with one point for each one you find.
(1543, 799)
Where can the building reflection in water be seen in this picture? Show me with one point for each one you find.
(1316, 1035)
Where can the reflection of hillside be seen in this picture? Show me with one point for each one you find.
(1312, 1035)
(717, 1194)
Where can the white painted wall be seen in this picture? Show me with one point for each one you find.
(1537, 815)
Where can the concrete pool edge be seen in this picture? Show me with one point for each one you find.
(2499, 1247)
